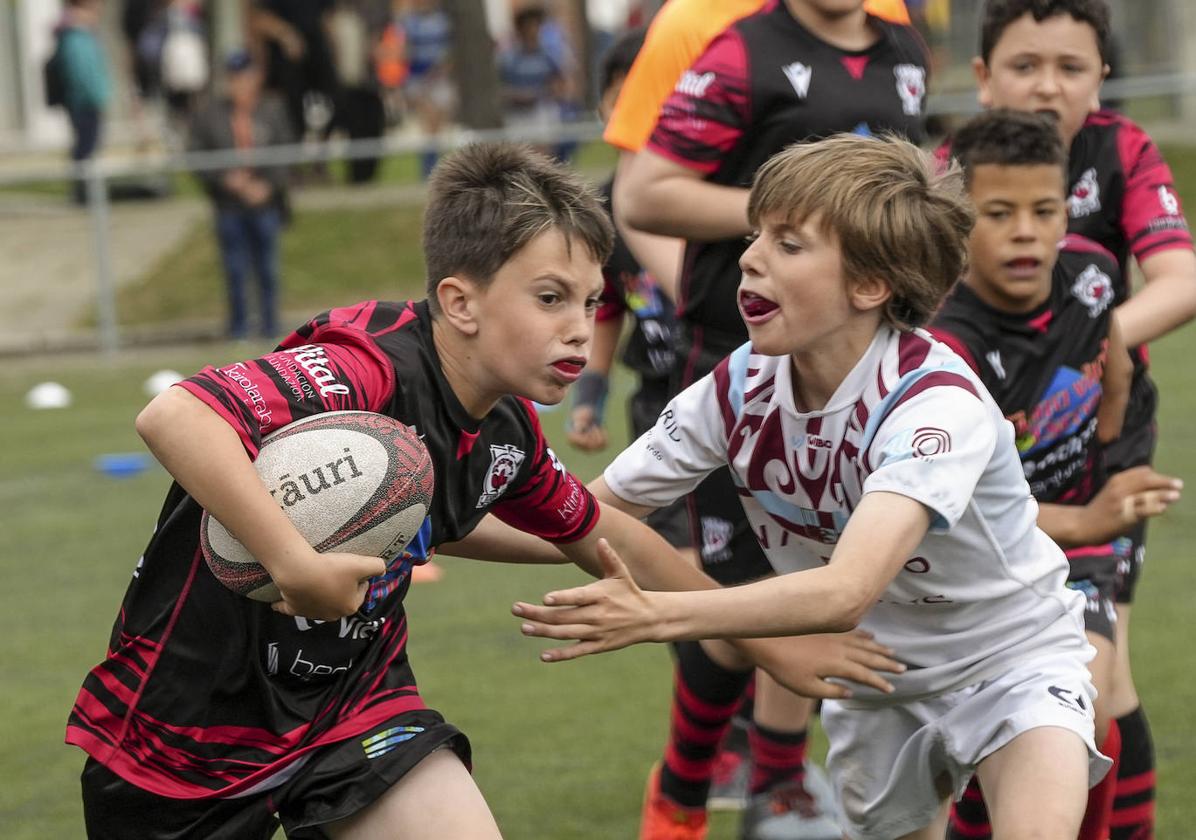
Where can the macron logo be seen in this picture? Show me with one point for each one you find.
(799, 76)
(693, 84)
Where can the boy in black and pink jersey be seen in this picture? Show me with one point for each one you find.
(793, 71)
(1033, 317)
(1051, 56)
(215, 716)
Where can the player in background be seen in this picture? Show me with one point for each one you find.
(628, 288)
(1033, 318)
(816, 67)
(1052, 55)
(882, 482)
(211, 713)
(677, 36)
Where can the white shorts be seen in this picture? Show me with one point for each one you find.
(892, 766)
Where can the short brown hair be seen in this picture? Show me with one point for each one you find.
(895, 216)
(487, 200)
(998, 14)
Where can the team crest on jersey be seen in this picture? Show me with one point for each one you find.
(799, 76)
(716, 538)
(1168, 201)
(1085, 195)
(1094, 289)
(911, 87)
(504, 464)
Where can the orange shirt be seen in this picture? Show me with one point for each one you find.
(679, 33)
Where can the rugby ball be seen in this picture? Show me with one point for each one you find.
(352, 481)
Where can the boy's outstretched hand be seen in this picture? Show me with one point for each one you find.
(608, 614)
(614, 612)
(331, 586)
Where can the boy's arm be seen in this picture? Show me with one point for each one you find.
(1115, 386)
(665, 198)
(208, 459)
(1126, 499)
(663, 189)
(1165, 302)
(660, 256)
(614, 612)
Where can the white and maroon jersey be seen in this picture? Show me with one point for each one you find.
(205, 693)
(984, 588)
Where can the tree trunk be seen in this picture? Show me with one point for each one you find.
(474, 69)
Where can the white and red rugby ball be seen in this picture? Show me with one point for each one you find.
(352, 481)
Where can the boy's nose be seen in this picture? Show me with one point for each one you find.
(748, 262)
(1047, 83)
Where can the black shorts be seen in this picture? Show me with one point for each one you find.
(336, 782)
(727, 545)
(1134, 448)
(644, 407)
(1094, 572)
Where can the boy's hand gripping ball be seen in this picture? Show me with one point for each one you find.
(350, 481)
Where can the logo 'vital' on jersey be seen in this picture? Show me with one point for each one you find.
(1085, 195)
(694, 84)
(504, 464)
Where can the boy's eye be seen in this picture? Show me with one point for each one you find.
(997, 215)
(789, 246)
(751, 237)
(548, 298)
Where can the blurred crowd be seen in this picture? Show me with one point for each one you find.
(354, 68)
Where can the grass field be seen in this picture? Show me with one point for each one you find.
(561, 751)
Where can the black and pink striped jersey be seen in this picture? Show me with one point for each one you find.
(765, 83)
(206, 693)
(1122, 193)
(1044, 367)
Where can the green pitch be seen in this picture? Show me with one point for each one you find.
(561, 751)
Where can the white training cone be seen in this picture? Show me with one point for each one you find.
(48, 395)
(160, 381)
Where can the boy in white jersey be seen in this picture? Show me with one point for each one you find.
(872, 462)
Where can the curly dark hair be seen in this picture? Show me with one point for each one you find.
(998, 14)
(1008, 138)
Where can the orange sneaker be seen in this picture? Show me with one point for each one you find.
(663, 819)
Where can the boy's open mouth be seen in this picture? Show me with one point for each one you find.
(1023, 266)
(571, 368)
(756, 309)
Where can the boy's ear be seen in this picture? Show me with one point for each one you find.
(457, 297)
(980, 71)
(1094, 105)
(868, 293)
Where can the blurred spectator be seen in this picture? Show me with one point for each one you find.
(83, 73)
(167, 58)
(250, 201)
(299, 63)
(555, 41)
(426, 33)
(358, 108)
(533, 82)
